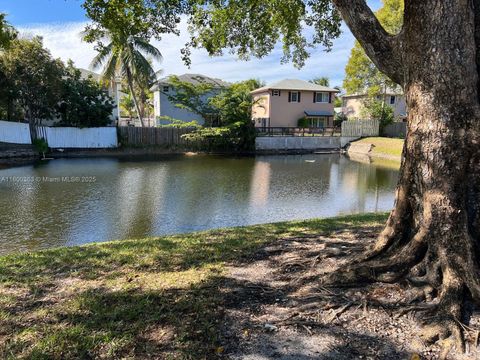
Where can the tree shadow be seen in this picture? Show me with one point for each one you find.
(202, 320)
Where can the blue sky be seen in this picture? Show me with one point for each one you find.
(59, 22)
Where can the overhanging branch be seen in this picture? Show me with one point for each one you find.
(382, 48)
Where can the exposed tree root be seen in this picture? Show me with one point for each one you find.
(441, 280)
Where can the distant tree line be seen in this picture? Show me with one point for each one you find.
(35, 87)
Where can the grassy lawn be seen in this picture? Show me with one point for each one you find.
(146, 298)
(385, 146)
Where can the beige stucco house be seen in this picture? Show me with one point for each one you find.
(353, 105)
(282, 104)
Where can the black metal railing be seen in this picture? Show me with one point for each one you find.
(296, 131)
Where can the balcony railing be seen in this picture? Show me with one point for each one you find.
(295, 131)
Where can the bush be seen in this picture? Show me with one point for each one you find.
(339, 118)
(84, 102)
(375, 109)
(177, 123)
(238, 136)
(303, 122)
(41, 145)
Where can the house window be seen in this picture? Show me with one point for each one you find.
(392, 100)
(318, 122)
(165, 89)
(276, 92)
(294, 96)
(322, 97)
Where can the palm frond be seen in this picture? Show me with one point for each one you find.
(142, 69)
(110, 69)
(144, 46)
(101, 57)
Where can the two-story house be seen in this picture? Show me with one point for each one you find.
(353, 104)
(284, 103)
(165, 108)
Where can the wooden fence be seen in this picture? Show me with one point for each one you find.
(360, 128)
(163, 136)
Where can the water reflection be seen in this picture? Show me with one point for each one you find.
(153, 197)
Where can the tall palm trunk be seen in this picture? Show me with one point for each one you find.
(130, 86)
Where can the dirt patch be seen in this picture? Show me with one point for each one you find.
(276, 309)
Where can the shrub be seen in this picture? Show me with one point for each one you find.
(177, 123)
(303, 122)
(238, 136)
(339, 118)
(41, 145)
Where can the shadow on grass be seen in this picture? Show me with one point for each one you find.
(117, 317)
(172, 324)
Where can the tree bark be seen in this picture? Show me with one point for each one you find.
(432, 237)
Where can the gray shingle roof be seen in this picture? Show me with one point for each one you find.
(295, 84)
(193, 79)
(85, 74)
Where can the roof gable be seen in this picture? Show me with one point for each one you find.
(195, 79)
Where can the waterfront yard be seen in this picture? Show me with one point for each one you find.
(151, 298)
(241, 293)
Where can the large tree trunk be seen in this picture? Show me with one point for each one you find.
(432, 237)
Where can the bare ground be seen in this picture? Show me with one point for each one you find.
(276, 309)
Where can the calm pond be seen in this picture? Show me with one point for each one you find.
(78, 201)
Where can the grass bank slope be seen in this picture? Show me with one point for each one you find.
(384, 147)
(147, 298)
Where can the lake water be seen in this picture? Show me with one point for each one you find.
(78, 201)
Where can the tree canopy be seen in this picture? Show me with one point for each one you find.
(194, 97)
(7, 32)
(361, 75)
(34, 78)
(83, 102)
(324, 81)
(37, 87)
(245, 27)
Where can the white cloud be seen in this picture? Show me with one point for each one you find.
(63, 40)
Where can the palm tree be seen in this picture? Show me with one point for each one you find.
(124, 55)
(324, 81)
(128, 105)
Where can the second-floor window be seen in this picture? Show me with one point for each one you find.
(165, 89)
(322, 97)
(392, 100)
(294, 96)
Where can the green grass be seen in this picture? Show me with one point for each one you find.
(145, 298)
(385, 146)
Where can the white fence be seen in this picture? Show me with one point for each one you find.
(14, 133)
(88, 138)
(61, 137)
(360, 128)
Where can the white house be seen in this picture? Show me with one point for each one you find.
(114, 91)
(353, 104)
(165, 108)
